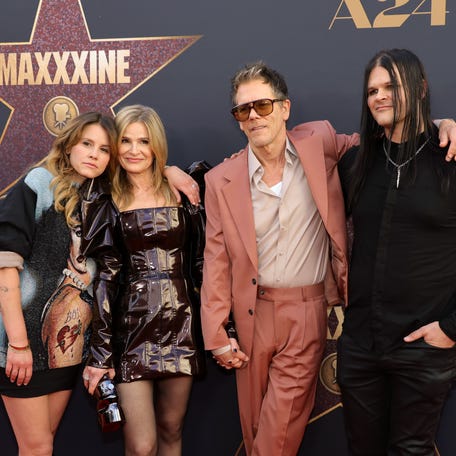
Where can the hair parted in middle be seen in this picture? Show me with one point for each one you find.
(121, 187)
(407, 76)
(66, 194)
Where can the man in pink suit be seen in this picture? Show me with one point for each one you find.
(275, 257)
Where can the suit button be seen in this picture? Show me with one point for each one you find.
(254, 281)
(250, 311)
(261, 293)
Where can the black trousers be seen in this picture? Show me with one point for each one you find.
(392, 402)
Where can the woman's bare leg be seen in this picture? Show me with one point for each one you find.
(35, 420)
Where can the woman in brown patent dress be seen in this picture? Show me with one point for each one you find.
(149, 252)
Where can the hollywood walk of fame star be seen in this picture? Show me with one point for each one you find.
(60, 39)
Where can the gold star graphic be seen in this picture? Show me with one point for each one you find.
(61, 61)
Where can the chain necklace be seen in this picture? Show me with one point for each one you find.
(398, 167)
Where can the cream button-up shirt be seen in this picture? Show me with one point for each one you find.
(292, 243)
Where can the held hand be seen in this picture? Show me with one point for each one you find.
(180, 181)
(19, 366)
(432, 335)
(447, 134)
(93, 375)
(234, 358)
(242, 358)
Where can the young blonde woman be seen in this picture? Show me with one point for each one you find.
(149, 249)
(41, 331)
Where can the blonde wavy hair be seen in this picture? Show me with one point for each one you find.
(66, 194)
(122, 190)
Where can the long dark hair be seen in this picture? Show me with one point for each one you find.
(416, 102)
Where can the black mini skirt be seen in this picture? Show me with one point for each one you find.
(41, 383)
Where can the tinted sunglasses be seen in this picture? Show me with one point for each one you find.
(262, 107)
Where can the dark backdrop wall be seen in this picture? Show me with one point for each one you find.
(178, 56)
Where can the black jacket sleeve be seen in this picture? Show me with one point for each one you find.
(197, 216)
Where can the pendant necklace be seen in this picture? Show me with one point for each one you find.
(398, 167)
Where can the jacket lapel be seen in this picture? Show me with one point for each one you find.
(239, 202)
(311, 153)
(237, 189)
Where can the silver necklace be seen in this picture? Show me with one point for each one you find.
(397, 166)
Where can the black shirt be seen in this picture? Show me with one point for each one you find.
(403, 264)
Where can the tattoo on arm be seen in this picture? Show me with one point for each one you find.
(5, 289)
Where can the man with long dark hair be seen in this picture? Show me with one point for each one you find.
(397, 355)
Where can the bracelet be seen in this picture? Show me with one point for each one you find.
(221, 350)
(14, 347)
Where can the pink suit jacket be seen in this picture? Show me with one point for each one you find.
(230, 258)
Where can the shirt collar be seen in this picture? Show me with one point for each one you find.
(256, 168)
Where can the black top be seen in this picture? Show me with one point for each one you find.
(402, 270)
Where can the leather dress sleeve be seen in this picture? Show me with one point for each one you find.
(197, 214)
(99, 226)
